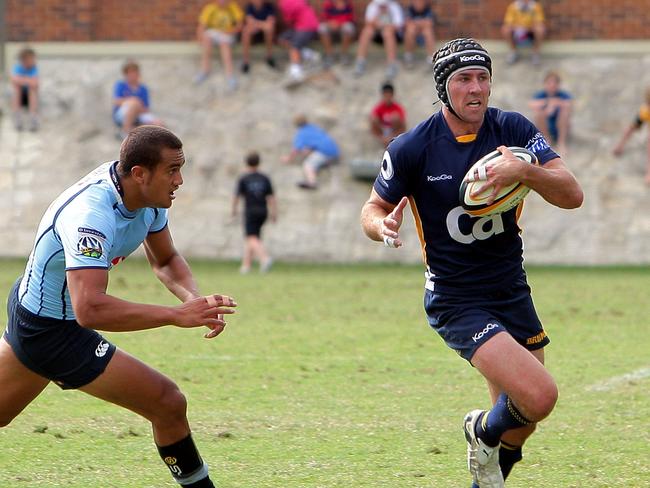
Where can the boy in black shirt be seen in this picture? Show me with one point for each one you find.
(259, 203)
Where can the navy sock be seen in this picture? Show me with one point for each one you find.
(503, 416)
(509, 455)
(183, 460)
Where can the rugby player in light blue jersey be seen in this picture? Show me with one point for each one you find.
(56, 307)
(476, 294)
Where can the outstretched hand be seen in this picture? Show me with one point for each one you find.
(207, 311)
(391, 224)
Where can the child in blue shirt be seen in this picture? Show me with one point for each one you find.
(24, 83)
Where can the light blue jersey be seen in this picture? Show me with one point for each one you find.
(87, 226)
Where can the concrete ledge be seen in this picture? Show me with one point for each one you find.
(191, 48)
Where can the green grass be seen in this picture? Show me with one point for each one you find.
(329, 376)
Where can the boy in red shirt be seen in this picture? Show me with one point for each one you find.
(388, 118)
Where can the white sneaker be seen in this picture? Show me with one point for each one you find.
(482, 460)
(266, 265)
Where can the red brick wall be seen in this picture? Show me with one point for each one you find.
(175, 20)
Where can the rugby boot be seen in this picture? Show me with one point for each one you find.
(482, 460)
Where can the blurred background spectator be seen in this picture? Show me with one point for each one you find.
(131, 100)
(315, 147)
(419, 25)
(523, 26)
(219, 23)
(337, 21)
(259, 26)
(24, 84)
(259, 203)
(552, 108)
(388, 118)
(384, 23)
(643, 116)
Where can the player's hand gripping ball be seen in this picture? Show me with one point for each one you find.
(508, 197)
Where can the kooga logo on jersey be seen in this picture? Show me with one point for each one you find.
(476, 57)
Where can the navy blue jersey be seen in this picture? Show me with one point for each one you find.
(427, 164)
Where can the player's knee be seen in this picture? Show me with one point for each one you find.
(172, 405)
(542, 401)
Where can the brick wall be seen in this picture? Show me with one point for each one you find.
(175, 20)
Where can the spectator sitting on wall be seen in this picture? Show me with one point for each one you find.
(388, 118)
(523, 25)
(316, 148)
(552, 107)
(259, 25)
(219, 23)
(302, 28)
(131, 100)
(419, 22)
(384, 21)
(24, 84)
(337, 19)
(643, 116)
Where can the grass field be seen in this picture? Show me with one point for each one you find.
(329, 376)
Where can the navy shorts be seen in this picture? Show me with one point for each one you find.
(60, 350)
(253, 223)
(467, 322)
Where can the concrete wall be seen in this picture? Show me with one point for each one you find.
(219, 128)
(175, 20)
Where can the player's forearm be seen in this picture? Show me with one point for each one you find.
(556, 185)
(372, 216)
(112, 314)
(177, 277)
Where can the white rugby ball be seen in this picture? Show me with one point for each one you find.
(507, 198)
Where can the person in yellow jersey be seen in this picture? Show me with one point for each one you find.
(219, 23)
(524, 24)
(642, 116)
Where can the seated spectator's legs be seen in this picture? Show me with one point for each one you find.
(147, 118)
(389, 36)
(347, 36)
(247, 34)
(269, 34)
(425, 29)
(225, 50)
(563, 126)
(367, 33)
(206, 52)
(538, 36)
(411, 30)
(33, 99)
(540, 120)
(326, 38)
(127, 114)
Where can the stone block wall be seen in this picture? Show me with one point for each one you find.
(175, 20)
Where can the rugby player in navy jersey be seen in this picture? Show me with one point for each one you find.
(476, 294)
(56, 307)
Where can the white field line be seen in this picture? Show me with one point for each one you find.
(613, 382)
